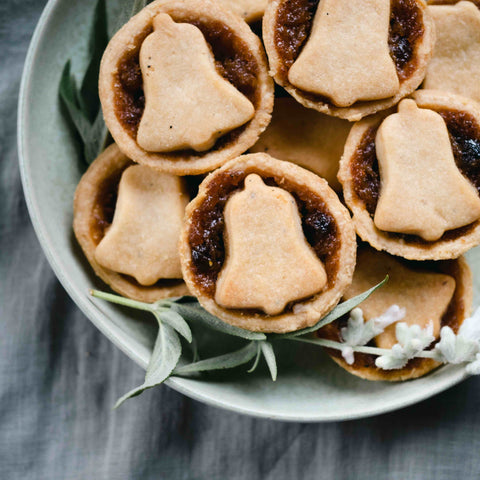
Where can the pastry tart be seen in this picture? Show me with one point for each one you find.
(267, 246)
(306, 137)
(249, 10)
(437, 292)
(455, 65)
(345, 61)
(127, 219)
(412, 178)
(184, 86)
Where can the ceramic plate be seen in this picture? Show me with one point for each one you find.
(310, 387)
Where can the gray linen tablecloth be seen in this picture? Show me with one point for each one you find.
(59, 378)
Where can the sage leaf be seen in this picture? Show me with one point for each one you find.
(269, 354)
(177, 322)
(68, 95)
(97, 139)
(193, 312)
(229, 360)
(339, 311)
(89, 99)
(165, 357)
(128, 11)
(257, 359)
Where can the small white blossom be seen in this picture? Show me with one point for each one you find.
(358, 333)
(473, 368)
(470, 327)
(393, 360)
(411, 341)
(347, 354)
(455, 348)
(413, 338)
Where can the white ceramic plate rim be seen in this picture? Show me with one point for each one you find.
(113, 332)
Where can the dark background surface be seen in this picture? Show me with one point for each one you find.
(59, 378)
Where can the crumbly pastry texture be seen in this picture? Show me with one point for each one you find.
(305, 137)
(224, 24)
(413, 147)
(347, 68)
(268, 262)
(190, 120)
(455, 65)
(258, 168)
(440, 293)
(454, 242)
(143, 239)
(87, 213)
(355, 60)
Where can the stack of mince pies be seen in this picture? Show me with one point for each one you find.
(270, 205)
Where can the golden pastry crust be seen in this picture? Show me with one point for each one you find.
(110, 164)
(453, 243)
(304, 313)
(423, 52)
(128, 39)
(460, 307)
(455, 65)
(305, 137)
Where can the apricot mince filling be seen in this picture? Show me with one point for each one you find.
(233, 61)
(452, 318)
(464, 133)
(294, 22)
(206, 234)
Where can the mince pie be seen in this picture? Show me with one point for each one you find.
(439, 293)
(344, 60)
(267, 246)
(184, 86)
(455, 65)
(127, 219)
(306, 137)
(412, 178)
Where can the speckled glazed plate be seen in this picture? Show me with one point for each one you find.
(310, 387)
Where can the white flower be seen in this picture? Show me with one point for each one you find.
(411, 341)
(456, 348)
(470, 327)
(396, 358)
(473, 368)
(347, 354)
(358, 333)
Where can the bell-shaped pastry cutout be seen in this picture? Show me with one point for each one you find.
(424, 295)
(188, 104)
(269, 262)
(422, 191)
(346, 57)
(143, 239)
(455, 65)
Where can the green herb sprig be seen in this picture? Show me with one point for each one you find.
(176, 316)
(82, 104)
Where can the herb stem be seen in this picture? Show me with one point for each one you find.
(357, 349)
(127, 302)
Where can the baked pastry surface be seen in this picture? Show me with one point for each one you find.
(359, 61)
(154, 73)
(437, 292)
(423, 205)
(258, 221)
(94, 212)
(305, 137)
(455, 65)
